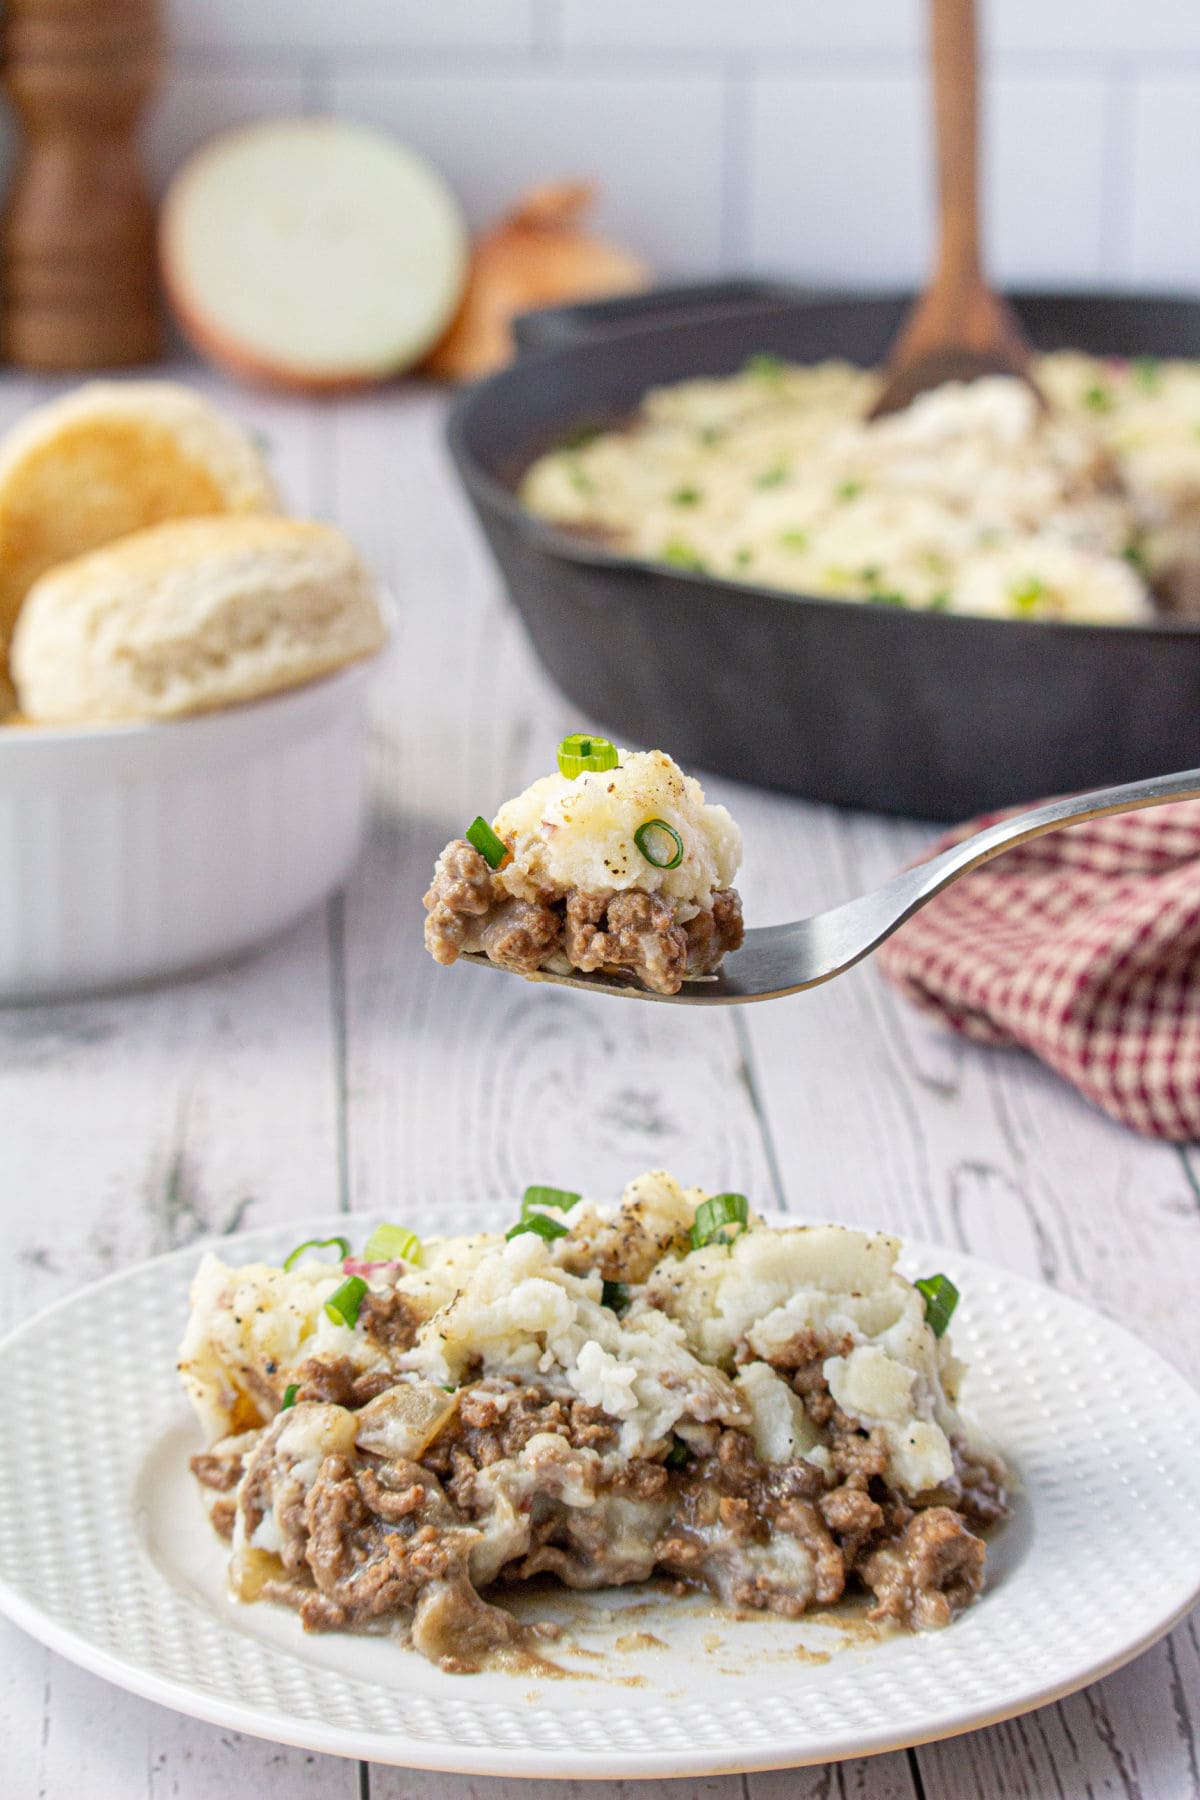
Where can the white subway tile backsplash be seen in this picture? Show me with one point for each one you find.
(751, 25)
(780, 134)
(653, 144)
(351, 24)
(841, 182)
(835, 183)
(192, 108)
(1162, 245)
(1044, 188)
(1124, 26)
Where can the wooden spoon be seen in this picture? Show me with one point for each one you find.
(959, 328)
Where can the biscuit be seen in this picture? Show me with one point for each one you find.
(191, 615)
(108, 459)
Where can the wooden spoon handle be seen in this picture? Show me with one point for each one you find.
(954, 61)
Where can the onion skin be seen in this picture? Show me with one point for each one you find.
(537, 255)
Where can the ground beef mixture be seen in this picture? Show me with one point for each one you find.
(373, 1539)
(630, 932)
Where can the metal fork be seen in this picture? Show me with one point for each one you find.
(783, 959)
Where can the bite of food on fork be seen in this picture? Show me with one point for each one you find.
(615, 875)
(615, 865)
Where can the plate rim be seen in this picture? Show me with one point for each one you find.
(532, 1761)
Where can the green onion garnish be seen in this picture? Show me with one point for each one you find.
(534, 1197)
(1098, 398)
(342, 1245)
(289, 1395)
(1147, 372)
(887, 600)
(580, 480)
(677, 1455)
(580, 754)
(849, 490)
(1135, 557)
(765, 366)
(581, 437)
(775, 476)
(541, 1224)
(493, 850)
(650, 840)
(615, 1295)
(712, 1217)
(710, 434)
(794, 540)
(343, 1304)
(742, 559)
(682, 555)
(686, 496)
(939, 602)
(941, 1297)
(1028, 594)
(392, 1243)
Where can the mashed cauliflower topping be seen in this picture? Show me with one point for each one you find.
(599, 1394)
(579, 833)
(973, 499)
(582, 888)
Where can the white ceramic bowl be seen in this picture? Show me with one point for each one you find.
(132, 852)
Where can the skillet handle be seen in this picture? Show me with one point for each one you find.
(558, 327)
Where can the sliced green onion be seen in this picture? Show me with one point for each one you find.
(1028, 594)
(289, 1395)
(392, 1243)
(541, 1224)
(1147, 372)
(775, 476)
(342, 1245)
(493, 850)
(765, 366)
(714, 1215)
(343, 1304)
(1098, 398)
(615, 1295)
(686, 496)
(710, 434)
(534, 1197)
(849, 490)
(581, 437)
(677, 1455)
(887, 600)
(581, 754)
(682, 555)
(939, 602)
(580, 480)
(941, 1297)
(742, 559)
(649, 839)
(794, 540)
(1135, 557)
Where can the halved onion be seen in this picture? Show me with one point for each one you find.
(312, 253)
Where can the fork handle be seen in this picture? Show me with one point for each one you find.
(913, 887)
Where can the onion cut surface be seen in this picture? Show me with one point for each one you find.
(312, 253)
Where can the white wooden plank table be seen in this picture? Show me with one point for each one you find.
(340, 1069)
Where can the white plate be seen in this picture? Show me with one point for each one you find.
(106, 1556)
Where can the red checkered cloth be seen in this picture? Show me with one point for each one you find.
(1084, 947)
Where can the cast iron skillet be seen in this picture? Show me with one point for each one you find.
(907, 712)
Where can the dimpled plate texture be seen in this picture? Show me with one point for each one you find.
(106, 1557)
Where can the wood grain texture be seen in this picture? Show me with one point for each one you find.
(341, 1067)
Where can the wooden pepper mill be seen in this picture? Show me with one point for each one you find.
(77, 232)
